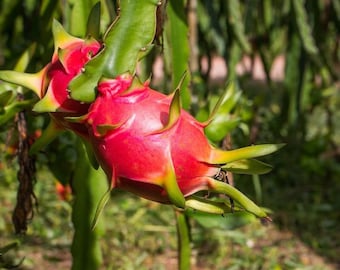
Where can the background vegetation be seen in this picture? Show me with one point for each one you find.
(298, 106)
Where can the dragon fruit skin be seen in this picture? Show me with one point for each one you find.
(141, 149)
(149, 146)
(60, 74)
(50, 84)
(67, 62)
(63, 68)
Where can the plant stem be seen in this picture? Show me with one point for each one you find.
(257, 187)
(89, 185)
(183, 238)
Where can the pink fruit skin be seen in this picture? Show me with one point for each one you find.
(135, 152)
(63, 68)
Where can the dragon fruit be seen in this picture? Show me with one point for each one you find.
(145, 142)
(50, 84)
(148, 145)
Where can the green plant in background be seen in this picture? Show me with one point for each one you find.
(231, 29)
(301, 109)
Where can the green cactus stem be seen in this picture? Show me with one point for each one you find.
(127, 40)
(89, 185)
(183, 238)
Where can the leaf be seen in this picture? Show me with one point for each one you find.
(170, 185)
(8, 247)
(304, 27)
(222, 157)
(267, 10)
(25, 58)
(93, 22)
(248, 166)
(221, 126)
(293, 76)
(78, 14)
(221, 122)
(13, 108)
(5, 97)
(212, 221)
(336, 7)
(209, 206)
(238, 196)
(177, 49)
(17, 76)
(129, 35)
(237, 25)
(224, 103)
(4, 250)
(28, 80)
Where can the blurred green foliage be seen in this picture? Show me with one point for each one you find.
(301, 109)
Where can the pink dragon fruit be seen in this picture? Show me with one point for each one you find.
(70, 56)
(148, 145)
(50, 84)
(143, 140)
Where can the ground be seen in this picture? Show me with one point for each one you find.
(151, 243)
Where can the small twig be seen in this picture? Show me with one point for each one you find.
(23, 210)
